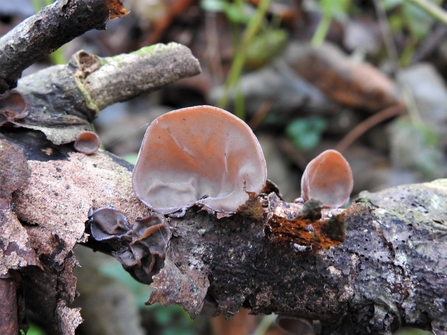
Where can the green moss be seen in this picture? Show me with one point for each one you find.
(88, 98)
(144, 51)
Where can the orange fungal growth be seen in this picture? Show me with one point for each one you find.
(328, 177)
(199, 155)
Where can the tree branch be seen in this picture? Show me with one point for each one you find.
(270, 257)
(384, 276)
(49, 29)
(63, 100)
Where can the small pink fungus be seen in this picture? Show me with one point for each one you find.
(87, 142)
(328, 177)
(12, 107)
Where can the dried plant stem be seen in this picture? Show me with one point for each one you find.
(260, 114)
(431, 8)
(369, 123)
(239, 58)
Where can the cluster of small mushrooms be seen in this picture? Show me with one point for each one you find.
(202, 156)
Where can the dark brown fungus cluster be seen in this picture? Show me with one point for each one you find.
(140, 248)
(87, 142)
(202, 156)
(12, 107)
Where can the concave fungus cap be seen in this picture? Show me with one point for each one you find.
(328, 177)
(87, 142)
(12, 107)
(198, 155)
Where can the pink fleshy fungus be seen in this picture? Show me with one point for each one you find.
(328, 177)
(199, 155)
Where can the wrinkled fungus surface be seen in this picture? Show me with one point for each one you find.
(107, 224)
(199, 155)
(87, 142)
(328, 177)
(140, 248)
(12, 107)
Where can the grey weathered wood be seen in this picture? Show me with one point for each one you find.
(41, 34)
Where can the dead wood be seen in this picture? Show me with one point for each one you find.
(372, 268)
(60, 103)
(8, 312)
(389, 272)
(49, 29)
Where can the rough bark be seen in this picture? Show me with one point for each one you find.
(388, 272)
(50, 238)
(61, 102)
(8, 314)
(49, 29)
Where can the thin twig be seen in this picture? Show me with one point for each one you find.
(431, 8)
(46, 31)
(369, 123)
(289, 149)
(260, 114)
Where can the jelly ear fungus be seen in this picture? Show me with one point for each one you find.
(140, 248)
(202, 156)
(328, 177)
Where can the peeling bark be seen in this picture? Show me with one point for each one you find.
(61, 102)
(384, 276)
(389, 272)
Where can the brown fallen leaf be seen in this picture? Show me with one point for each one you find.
(347, 82)
(116, 9)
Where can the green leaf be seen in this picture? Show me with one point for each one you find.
(265, 46)
(390, 4)
(33, 330)
(236, 14)
(306, 133)
(213, 5)
(335, 8)
(419, 21)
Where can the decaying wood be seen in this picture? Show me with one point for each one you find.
(61, 102)
(49, 29)
(60, 119)
(8, 313)
(87, 84)
(389, 271)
